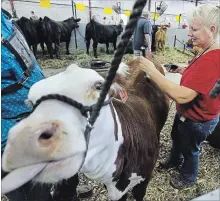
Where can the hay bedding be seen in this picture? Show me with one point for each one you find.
(159, 188)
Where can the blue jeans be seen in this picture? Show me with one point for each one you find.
(187, 137)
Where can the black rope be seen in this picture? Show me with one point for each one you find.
(129, 29)
(216, 90)
(83, 109)
(95, 109)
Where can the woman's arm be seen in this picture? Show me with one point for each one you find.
(178, 93)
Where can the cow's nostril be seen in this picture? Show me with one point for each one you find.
(46, 135)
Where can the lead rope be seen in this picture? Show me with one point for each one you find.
(129, 29)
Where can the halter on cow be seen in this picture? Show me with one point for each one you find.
(137, 10)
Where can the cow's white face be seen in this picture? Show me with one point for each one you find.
(55, 130)
(53, 135)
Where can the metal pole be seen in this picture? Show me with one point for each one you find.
(13, 9)
(197, 2)
(90, 11)
(74, 15)
(174, 41)
(119, 15)
(149, 5)
(179, 19)
(73, 8)
(155, 12)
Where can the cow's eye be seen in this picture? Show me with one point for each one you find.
(98, 85)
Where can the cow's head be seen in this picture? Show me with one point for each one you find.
(41, 27)
(22, 22)
(50, 142)
(73, 22)
(120, 28)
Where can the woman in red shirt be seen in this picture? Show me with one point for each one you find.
(197, 114)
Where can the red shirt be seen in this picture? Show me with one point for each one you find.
(201, 77)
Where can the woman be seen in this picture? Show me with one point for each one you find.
(197, 114)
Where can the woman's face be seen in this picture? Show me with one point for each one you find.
(199, 34)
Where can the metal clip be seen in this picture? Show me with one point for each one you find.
(88, 118)
(183, 119)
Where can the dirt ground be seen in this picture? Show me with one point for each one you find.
(159, 188)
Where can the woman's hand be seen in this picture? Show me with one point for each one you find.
(147, 65)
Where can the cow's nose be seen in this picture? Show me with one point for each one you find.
(46, 135)
(50, 134)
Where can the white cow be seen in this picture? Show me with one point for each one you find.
(49, 145)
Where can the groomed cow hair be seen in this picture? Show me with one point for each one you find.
(146, 109)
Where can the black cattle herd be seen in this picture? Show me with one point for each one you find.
(49, 32)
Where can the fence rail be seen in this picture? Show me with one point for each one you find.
(182, 43)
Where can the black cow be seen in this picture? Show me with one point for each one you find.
(58, 32)
(33, 32)
(100, 33)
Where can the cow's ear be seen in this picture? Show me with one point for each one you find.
(77, 20)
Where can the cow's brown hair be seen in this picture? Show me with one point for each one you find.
(142, 117)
